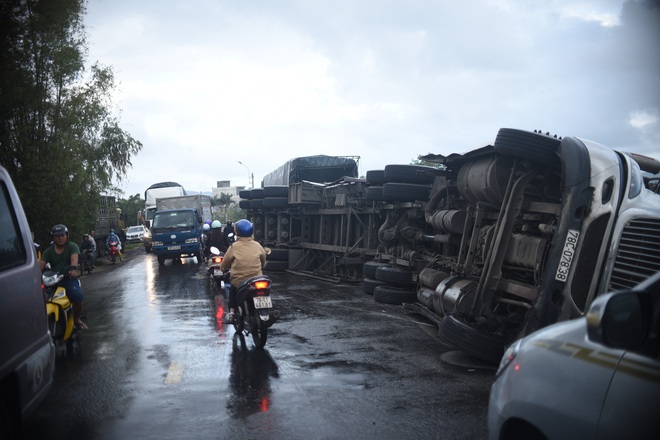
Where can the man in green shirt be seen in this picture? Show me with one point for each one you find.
(60, 254)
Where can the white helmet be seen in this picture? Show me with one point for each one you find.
(216, 224)
(206, 227)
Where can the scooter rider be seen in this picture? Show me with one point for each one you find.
(60, 254)
(246, 259)
(112, 236)
(206, 240)
(217, 239)
(87, 245)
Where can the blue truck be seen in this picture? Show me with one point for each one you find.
(177, 227)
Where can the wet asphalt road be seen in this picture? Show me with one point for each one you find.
(157, 362)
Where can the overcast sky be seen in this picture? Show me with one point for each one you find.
(206, 83)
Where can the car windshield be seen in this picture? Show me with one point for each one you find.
(135, 229)
(176, 219)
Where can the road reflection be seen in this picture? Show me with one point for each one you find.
(249, 379)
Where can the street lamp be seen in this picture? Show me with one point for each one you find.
(249, 174)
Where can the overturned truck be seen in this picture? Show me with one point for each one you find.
(505, 239)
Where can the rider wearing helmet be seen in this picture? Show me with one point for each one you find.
(245, 257)
(217, 239)
(60, 254)
(206, 236)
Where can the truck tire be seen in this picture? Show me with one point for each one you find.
(278, 255)
(374, 193)
(245, 194)
(411, 174)
(534, 146)
(275, 202)
(486, 346)
(276, 191)
(245, 204)
(369, 268)
(395, 295)
(369, 284)
(395, 275)
(161, 260)
(257, 193)
(405, 192)
(376, 177)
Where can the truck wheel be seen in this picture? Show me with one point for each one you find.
(369, 268)
(538, 147)
(198, 255)
(482, 345)
(411, 173)
(394, 275)
(395, 295)
(405, 192)
(161, 260)
(369, 284)
(376, 177)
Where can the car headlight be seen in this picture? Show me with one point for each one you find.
(509, 355)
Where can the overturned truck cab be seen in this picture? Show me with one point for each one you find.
(524, 233)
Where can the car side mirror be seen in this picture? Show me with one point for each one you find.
(620, 320)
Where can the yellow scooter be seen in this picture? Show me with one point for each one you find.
(58, 307)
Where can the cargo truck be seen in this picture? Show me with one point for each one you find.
(176, 229)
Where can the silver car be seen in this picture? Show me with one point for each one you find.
(135, 234)
(596, 377)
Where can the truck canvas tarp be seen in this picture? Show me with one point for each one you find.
(313, 169)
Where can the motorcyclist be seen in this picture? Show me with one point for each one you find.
(113, 237)
(87, 245)
(229, 229)
(206, 240)
(217, 238)
(60, 254)
(246, 259)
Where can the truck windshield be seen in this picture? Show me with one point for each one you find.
(173, 220)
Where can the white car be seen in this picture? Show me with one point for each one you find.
(135, 234)
(596, 377)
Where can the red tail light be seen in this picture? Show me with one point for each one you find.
(217, 259)
(261, 285)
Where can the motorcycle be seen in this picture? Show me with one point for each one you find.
(218, 278)
(58, 307)
(113, 250)
(86, 261)
(255, 312)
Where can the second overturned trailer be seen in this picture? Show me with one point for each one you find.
(505, 239)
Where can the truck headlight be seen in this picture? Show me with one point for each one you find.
(636, 181)
(192, 240)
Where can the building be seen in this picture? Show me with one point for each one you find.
(224, 187)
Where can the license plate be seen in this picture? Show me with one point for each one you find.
(262, 302)
(217, 273)
(570, 245)
(173, 248)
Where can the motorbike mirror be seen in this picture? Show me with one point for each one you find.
(215, 250)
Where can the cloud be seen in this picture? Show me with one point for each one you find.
(208, 83)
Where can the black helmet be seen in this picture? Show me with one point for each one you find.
(244, 228)
(59, 230)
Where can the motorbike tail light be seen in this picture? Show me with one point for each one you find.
(217, 259)
(261, 285)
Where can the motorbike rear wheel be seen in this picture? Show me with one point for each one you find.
(259, 329)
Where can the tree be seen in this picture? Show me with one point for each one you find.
(130, 208)
(59, 138)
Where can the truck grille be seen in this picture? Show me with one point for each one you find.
(638, 256)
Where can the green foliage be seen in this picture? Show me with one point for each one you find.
(59, 139)
(130, 208)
